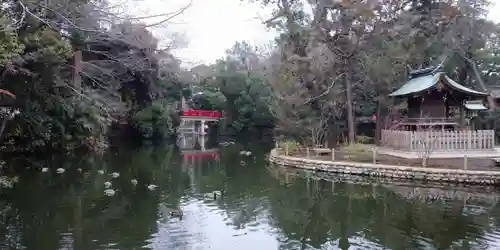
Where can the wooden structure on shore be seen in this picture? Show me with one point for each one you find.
(438, 114)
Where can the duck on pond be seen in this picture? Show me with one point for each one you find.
(177, 213)
(214, 195)
(109, 192)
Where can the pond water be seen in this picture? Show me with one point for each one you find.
(261, 207)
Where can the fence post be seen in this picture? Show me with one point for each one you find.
(286, 149)
(492, 138)
(374, 151)
(465, 161)
(333, 154)
(469, 139)
(307, 153)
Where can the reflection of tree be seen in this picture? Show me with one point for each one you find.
(244, 186)
(370, 212)
(48, 211)
(45, 212)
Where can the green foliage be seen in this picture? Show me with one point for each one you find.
(67, 124)
(52, 116)
(248, 100)
(289, 146)
(364, 139)
(157, 121)
(37, 64)
(10, 47)
(209, 100)
(233, 86)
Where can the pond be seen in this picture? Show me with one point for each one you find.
(261, 207)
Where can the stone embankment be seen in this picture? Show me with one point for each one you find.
(388, 171)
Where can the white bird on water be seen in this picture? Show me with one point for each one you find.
(115, 175)
(44, 170)
(107, 184)
(100, 171)
(134, 182)
(152, 187)
(109, 192)
(60, 170)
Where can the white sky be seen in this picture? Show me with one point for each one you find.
(213, 26)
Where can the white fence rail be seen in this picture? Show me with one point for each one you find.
(463, 140)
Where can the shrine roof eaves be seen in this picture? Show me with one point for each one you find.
(475, 105)
(425, 82)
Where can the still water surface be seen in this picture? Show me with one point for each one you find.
(261, 208)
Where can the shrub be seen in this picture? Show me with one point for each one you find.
(364, 139)
(291, 145)
(157, 121)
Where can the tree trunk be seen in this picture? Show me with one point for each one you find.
(378, 123)
(351, 125)
(77, 78)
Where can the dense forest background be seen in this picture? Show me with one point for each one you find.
(76, 73)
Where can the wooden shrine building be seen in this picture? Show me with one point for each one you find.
(437, 115)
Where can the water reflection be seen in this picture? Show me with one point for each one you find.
(260, 207)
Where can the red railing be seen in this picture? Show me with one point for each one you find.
(202, 113)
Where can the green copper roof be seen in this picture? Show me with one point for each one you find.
(425, 82)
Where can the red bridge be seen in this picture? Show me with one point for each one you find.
(201, 115)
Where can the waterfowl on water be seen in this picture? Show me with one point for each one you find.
(134, 182)
(115, 175)
(177, 213)
(60, 170)
(107, 184)
(44, 170)
(100, 171)
(247, 153)
(152, 187)
(214, 195)
(109, 192)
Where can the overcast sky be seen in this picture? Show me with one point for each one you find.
(213, 26)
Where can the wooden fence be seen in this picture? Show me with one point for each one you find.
(431, 141)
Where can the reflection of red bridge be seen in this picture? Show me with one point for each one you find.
(198, 154)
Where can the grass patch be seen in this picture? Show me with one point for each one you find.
(357, 152)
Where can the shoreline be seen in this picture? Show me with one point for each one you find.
(459, 176)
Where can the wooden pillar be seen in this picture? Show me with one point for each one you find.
(202, 143)
(462, 116)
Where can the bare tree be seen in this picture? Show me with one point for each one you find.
(425, 143)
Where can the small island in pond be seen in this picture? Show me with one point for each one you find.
(434, 136)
